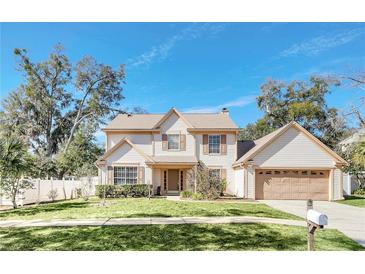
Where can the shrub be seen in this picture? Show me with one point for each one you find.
(359, 191)
(197, 196)
(78, 192)
(223, 186)
(186, 194)
(118, 191)
(52, 194)
(210, 186)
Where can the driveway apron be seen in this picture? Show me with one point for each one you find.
(350, 220)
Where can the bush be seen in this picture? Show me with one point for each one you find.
(118, 191)
(52, 194)
(78, 192)
(197, 196)
(223, 186)
(359, 191)
(185, 194)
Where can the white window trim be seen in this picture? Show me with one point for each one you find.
(220, 142)
(173, 149)
(125, 165)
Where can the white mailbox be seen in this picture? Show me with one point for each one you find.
(317, 217)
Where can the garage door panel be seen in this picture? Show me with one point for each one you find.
(292, 185)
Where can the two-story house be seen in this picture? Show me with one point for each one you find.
(159, 149)
(163, 149)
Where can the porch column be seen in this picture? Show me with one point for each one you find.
(195, 172)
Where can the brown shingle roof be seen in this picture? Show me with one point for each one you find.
(210, 120)
(134, 121)
(148, 121)
(174, 159)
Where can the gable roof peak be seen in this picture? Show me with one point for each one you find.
(117, 146)
(168, 114)
(264, 141)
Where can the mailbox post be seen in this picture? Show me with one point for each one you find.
(310, 235)
(315, 220)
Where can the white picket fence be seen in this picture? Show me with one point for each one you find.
(66, 189)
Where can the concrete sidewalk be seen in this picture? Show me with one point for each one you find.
(148, 221)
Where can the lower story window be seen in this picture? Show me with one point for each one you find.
(125, 175)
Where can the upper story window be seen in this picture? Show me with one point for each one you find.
(214, 143)
(173, 141)
(125, 175)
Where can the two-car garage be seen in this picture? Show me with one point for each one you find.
(291, 184)
(288, 164)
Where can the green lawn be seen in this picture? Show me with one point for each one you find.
(172, 237)
(354, 201)
(141, 207)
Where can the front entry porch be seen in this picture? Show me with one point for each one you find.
(171, 175)
(171, 181)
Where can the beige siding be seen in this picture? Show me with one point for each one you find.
(337, 184)
(222, 161)
(142, 141)
(128, 155)
(156, 176)
(174, 125)
(250, 173)
(239, 182)
(148, 176)
(102, 175)
(293, 149)
(125, 154)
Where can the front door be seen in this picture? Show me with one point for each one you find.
(173, 179)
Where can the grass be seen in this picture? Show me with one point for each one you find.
(141, 207)
(354, 200)
(172, 237)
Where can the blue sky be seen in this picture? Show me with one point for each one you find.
(197, 67)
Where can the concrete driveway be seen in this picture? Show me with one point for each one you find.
(350, 220)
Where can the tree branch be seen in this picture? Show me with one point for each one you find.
(356, 80)
(81, 106)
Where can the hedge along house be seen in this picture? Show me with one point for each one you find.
(163, 149)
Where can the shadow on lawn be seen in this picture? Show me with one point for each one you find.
(169, 237)
(354, 197)
(49, 207)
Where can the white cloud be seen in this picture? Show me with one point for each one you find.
(161, 51)
(322, 43)
(240, 102)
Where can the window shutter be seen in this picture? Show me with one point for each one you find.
(205, 143)
(224, 144)
(223, 173)
(183, 142)
(110, 173)
(164, 141)
(141, 175)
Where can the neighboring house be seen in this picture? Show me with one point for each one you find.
(354, 138)
(351, 181)
(161, 149)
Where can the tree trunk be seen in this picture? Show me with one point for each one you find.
(13, 200)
